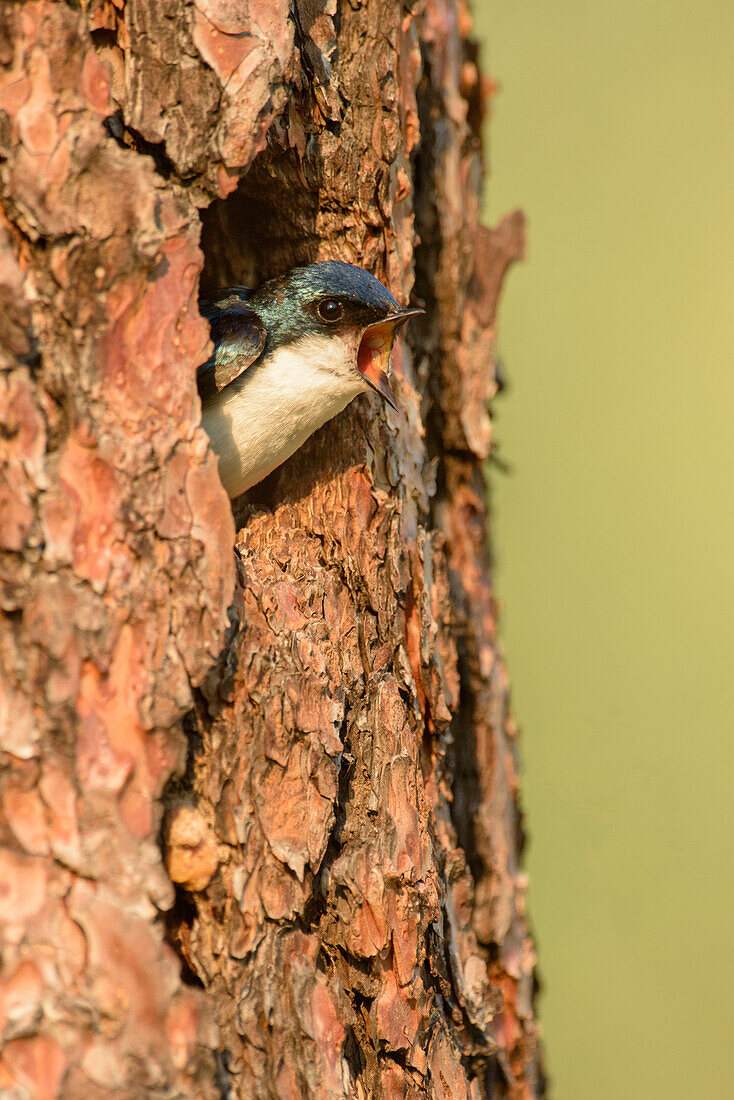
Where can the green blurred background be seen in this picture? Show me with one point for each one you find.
(614, 535)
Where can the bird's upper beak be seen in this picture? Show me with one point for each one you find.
(373, 357)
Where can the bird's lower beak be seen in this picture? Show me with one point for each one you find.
(373, 357)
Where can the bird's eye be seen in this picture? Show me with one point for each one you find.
(329, 309)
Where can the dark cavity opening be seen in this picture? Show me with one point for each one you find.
(266, 226)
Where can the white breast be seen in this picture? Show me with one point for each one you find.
(259, 420)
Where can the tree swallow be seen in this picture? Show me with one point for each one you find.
(288, 357)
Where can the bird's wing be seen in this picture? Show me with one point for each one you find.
(238, 335)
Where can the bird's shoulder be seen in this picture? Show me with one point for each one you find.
(238, 335)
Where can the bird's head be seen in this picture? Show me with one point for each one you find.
(343, 319)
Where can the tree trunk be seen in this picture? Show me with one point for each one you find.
(260, 832)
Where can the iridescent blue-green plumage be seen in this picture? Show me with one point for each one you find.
(248, 323)
(238, 336)
(287, 305)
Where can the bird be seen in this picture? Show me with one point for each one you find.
(289, 356)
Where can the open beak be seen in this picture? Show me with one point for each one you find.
(373, 357)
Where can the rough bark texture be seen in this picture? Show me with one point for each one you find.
(310, 736)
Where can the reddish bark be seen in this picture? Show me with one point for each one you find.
(328, 774)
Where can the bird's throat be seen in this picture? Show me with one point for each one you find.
(262, 418)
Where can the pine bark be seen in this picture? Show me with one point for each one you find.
(259, 825)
